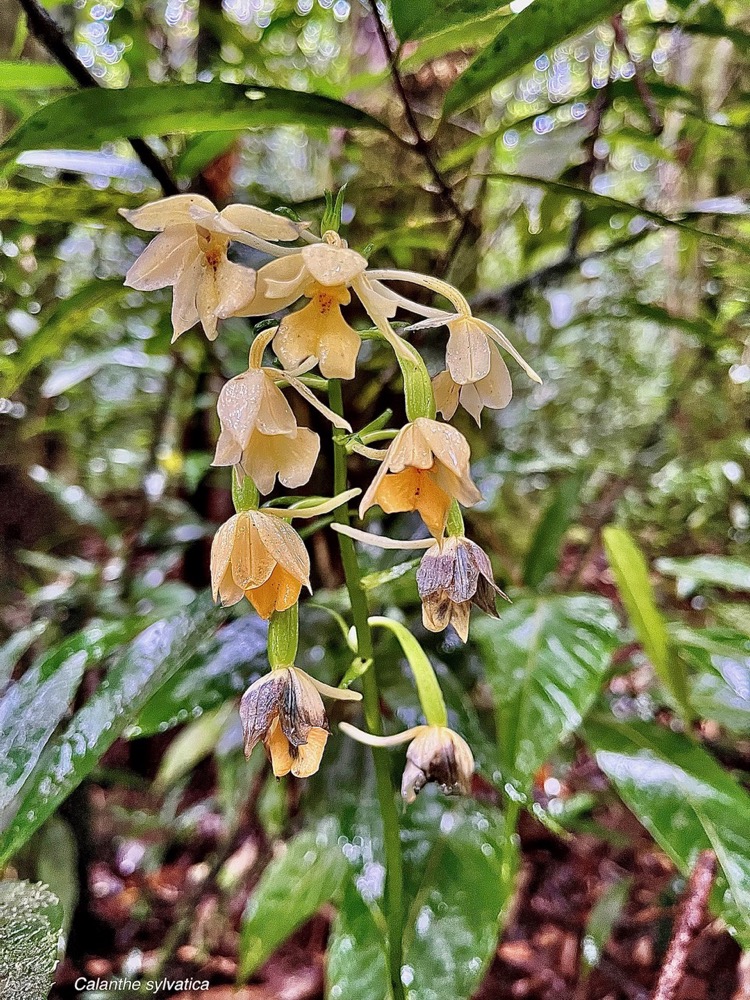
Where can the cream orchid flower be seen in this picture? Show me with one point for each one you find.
(259, 432)
(284, 710)
(435, 753)
(323, 273)
(259, 556)
(190, 253)
(494, 390)
(425, 468)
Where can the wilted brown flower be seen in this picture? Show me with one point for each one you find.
(454, 574)
(437, 754)
(425, 468)
(284, 710)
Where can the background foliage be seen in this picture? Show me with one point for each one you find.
(581, 172)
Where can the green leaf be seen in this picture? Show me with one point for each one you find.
(545, 661)
(309, 873)
(685, 800)
(78, 505)
(721, 571)
(601, 201)
(202, 149)
(219, 670)
(545, 545)
(97, 116)
(13, 648)
(419, 18)
(602, 919)
(539, 27)
(195, 742)
(357, 963)
(44, 205)
(631, 576)
(58, 327)
(719, 659)
(57, 865)
(30, 922)
(30, 711)
(144, 666)
(32, 76)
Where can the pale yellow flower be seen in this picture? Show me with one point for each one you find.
(493, 390)
(323, 273)
(260, 557)
(454, 574)
(190, 253)
(284, 710)
(259, 433)
(435, 753)
(425, 468)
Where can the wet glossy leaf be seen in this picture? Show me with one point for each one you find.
(542, 555)
(97, 116)
(631, 576)
(534, 30)
(13, 648)
(59, 325)
(719, 664)
(721, 571)
(357, 964)
(418, 18)
(309, 873)
(57, 865)
(544, 660)
(221, 669)
(197, 740)
(32, 76)
(144, 666)
(30, 923)
(685, 800)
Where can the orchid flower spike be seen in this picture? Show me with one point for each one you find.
(190, 253)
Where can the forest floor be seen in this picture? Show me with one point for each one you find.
(133, 909)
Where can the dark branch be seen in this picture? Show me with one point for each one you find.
(48, 32)
(689, 918)
(420, 144)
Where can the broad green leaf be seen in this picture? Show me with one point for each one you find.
(545, 545)
(195, 742)
(539, 27)
(57, 865)
(30, 923)
(721, 571)
(57, 328)
(201, 150)
(719, 661)
(419, 18)
(685, 800)
(77, 504)
(601, 201)
(218, 671)
(32, 76)
(92, 117)
(631, 576)
(147, 663)
(43, 205)
(357, 963)
(309, 873)
(602, 919)
(30, 711)
(544, 660)
(13, 648)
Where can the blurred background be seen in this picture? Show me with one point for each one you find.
(589, 196)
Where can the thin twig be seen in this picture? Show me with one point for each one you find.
(689, 918)
(48, 32)
(420, 144)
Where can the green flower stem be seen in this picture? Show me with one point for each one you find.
(428, 689)
(283, 637)
(245, 494)
(371, 703)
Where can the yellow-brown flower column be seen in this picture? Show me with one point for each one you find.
(260, 557)
(425, 468)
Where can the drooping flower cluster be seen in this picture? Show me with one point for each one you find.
(257, 554)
